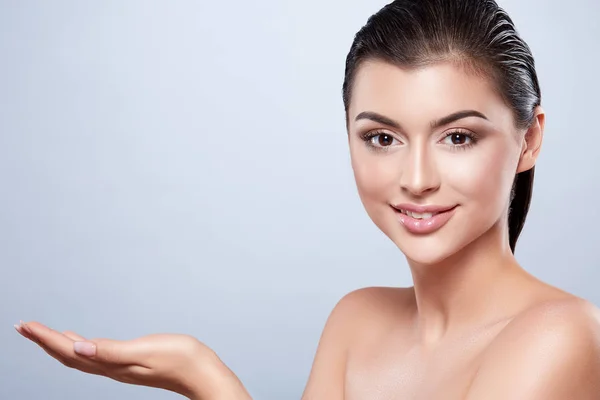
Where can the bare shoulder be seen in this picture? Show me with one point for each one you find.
(370, 304)
(355, 312)
(373, 310)
(549, 351)
(377, 299)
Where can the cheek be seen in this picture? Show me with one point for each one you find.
(484, 178)
(375, 176)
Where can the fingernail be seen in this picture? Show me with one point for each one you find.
(85, 348)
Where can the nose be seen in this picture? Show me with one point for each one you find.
(419, 173)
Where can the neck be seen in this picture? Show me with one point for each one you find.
(467, 290)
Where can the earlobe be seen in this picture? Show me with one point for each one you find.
(532, 141)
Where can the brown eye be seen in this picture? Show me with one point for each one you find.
(385, 140)
(380, 140)
(458, 138)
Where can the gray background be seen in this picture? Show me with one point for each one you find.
(182, 166)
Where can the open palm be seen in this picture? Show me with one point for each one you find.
(175, 362)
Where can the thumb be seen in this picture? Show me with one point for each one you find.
(85, 348)
(109, 351)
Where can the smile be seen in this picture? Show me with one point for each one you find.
(423, 219)
(418, 215)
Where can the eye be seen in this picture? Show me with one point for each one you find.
(380, 139)
(459, 139)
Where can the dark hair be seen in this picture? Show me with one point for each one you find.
(475, 34)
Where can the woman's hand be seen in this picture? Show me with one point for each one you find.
(178, 363)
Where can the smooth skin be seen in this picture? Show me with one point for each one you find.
(475, 325)
(174, 362)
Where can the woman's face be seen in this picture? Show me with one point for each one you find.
(435, 137)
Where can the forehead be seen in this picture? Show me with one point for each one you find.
(417, 96)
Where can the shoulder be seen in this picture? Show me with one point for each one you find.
(560, 323)
(355, 313)
(367, 304)
(372, 303)
(374, 295)
(549, 351)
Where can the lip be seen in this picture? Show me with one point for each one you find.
(424, 226)
(422, 209)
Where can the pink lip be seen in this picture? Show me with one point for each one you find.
(424, 226)
(422, 209)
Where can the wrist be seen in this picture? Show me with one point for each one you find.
(215, 381)
(229, 387)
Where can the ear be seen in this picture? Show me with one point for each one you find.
(532, 141)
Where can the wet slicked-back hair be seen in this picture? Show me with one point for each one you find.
(475, 34)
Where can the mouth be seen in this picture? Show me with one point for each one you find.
(417, 215)
(424, 219)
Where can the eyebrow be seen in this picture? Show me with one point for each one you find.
(382, 119)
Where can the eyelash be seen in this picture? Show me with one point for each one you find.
(368, 137)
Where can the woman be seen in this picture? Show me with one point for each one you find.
(444, 126)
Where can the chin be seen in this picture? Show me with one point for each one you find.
(436, 247)
(428, 250)
(433, 248)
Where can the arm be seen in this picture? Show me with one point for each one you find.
(220, 383)
(178, 363)
(182, 364)
(552, 353)
(327, 376)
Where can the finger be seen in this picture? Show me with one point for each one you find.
(72, 363)
(126, 374)
(99, 350)
(24, 332)
(27, 332)
(119, 352)
(56, 345)
(73, 336)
